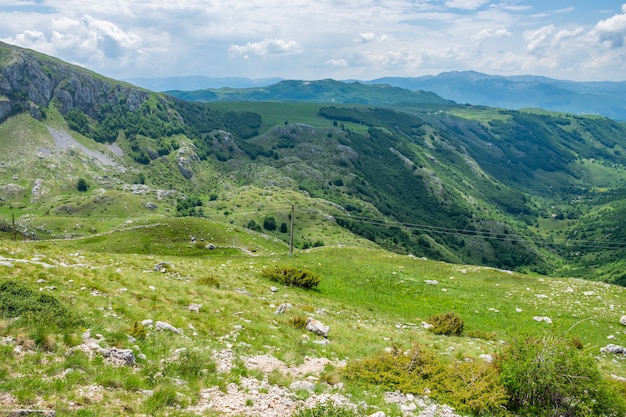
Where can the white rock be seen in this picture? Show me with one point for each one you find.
(540, 319)
(486, 357)
(431, 282)
(302, 386)
(622, 320)
(317, 327)
(161, 325)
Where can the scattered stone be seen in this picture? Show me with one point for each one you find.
(486, 357)
(622, 320)
(589, 293)
(120, 357)
(283, 308)
(37, 413)
(540, 319)
(322, 342)
(151, 206)
(161, 325)
(194, 307)
(302, 386)
(316, 326)
(86, 334)
(147, 323)
(163, 267)
(378, 414)
(615, 349)
(431, 282)
(210, 246)
(243, 291)
(273, 289)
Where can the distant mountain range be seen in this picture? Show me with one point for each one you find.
(516, 92)
(510, 92)
(193, 82)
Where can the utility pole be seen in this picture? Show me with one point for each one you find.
(291, 231)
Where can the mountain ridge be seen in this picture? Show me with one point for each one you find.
(431, 177)
(510, 92)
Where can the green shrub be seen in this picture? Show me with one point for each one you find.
(550, 377)
(138, 330)
(190, 365)
(81, 185)
(17, 300)
(325, 410)
(164, 396)
(448, 324)
(288, 275)
(209, 280)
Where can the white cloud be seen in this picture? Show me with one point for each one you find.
(337, 62)
(366, 37)
(538, 41)
(612, 31)
(266, 47)
(465, 4)
(342, 38)
(490, 33)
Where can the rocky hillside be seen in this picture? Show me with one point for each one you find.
(528, 191)
(29, 80)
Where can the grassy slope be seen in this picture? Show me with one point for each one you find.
(370, 298)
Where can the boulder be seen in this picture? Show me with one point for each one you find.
(615, 349)
(163, 267)
(622, 320)
(161, 326)
(283, 308)
(120, 357)
(194, 307)
(317, 327)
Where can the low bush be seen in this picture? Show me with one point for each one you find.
(297, 322)
(472, 387)
(209, 280)
(549, 377)
(291, 276)
(448, 324)
(326, 410)
(17, 300)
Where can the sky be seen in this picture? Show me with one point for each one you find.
(578, 40)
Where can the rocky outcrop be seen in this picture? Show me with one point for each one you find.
(29, 78)
(317, 327)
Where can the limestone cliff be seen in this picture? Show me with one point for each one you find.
(30, 80)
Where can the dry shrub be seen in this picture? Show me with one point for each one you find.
(470, 387)
(209, 280)
(297, 322)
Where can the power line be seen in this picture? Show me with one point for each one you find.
(441, 230)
